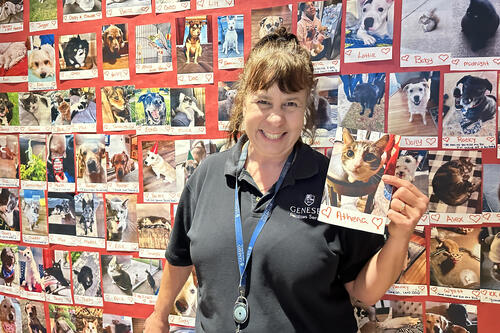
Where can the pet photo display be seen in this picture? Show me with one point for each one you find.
(83, 109)
(121, 222)
(9, 273)
(35, 111)
(187, 111)
(9, 214)
(9, 112)
(268, 20)
(33, 168)
(225, 101)
(91, 162)
(153, 48)
(118, 273)
(33, 316)
(61, 163)
(11, 16)
(86, 278)
(154, 228)
(33, 216)
(57, 276)
(61, 216)
(14, 60)
(118, 108)
(147, 278)
(450, 317)
(230, 45)
(159, 177)
(326, 104)
(78, 56)
(115, 60)
(152, 109)
(90, 227)
(32, 272)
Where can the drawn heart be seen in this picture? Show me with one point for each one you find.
(434, 289)
(230, 2)
(200, 3)
(335, 62)
(94, 71)
(490, 138)
(446, 139)
(180, 78)
(431, 141)
(145, 8)
(208, 77)
(487, 216)
(405, 57)
(221, 61)
(332, 141)
(108, 12)
(54, 23)
(348, 52)
(326, 212)
(498, 215)
(185, 4)
(443, 57)
(455, 61)
(476, 293)
(424, 218)
(496, 61)
(435, 217)
(475, 217)
(377, 221)
(484, 291)
(422, 288)
(386, 50)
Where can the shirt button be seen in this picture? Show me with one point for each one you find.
(257, 199)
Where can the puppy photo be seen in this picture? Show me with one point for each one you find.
(117, 105)
(9, 209)
(389, 316)
(12, 58)
(115, 46)
(230, 36)
(151, 107)
(89, 211)
(81, 6)
(83, 106)
(33, 210)
(11, 11)
(116, 323)
(31, 263)
(41, 59)
(194, 45)
(61, 159)
(91, 158)
(35, 108)
(413, 166)
(267, 20)
(450, 317)
(41, 11)
(153, 47)
(9, 156)
(62, 220)
(7, 109)
(154, 228)
(121, 218)
(33, 316)
(9, 260)
(361, 101)
(158, 169)
(77, 52)
(10, 314)
(121, 152)
(33, 157)
(188, 107)
(86, 274)
(413, 103)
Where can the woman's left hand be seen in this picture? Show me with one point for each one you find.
(407, 206)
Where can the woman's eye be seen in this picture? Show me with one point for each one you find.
(263, 102)
(291, 104)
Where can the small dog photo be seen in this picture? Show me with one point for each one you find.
(455, 181)
(91, 158)
(389, 316)
(189, 154)
(61, 208)
(121, 159)
(187, 107)
(186, 303)
(35, 108)
(89, 211)
(33, 157)
(56, 280)
(413, 166)
(326, 105)
(88, 320)
(469, 107)
(83, 105)
(121, 218)
(33, 215)
(62, 318)
(153, 45)
(118, 275)
(158, 169)
(45, 10)
(231, 36)
(77, 52)
(81, 6)
(455, 255)
(152, 107)
(13, 59)
(369, 23)
(319, 27)
(154, 225)
(489, 239)
(9, 209)
(116, 323)
(146, 276)
(268, 20)
(86, 274)
(413, 103)
(194, 44)
(362, 101)
(33, 316)
(10, 314)
(61, 159)
(9, 158)
(11, 11)
(226, 95)
(450, 317)
(31, 267)
(115, 46)
(118, 104)
(41, 57)
(9, 109)
(9, 263)
(491, 188)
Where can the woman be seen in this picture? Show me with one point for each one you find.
(302, 272)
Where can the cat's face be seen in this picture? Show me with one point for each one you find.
(362, 159)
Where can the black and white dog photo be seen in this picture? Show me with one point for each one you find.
(154, 108)
(75, 53)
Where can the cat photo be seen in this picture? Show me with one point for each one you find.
(86, 278)
(146, 278)
(77, 52)
(57, 276)
(118, 278)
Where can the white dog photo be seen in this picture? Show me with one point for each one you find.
(41, 61)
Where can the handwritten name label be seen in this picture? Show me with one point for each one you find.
(78, 75)
(90, 187)
(50, 85)
(122, 246)
(153, 68)
(92, 242)
(195, 78)
(457, 293)
(123, 187)
(118, 127)
(10, 235)
(326, 66)
(187, 130)
(123, 299)
(11, 27)
(84, 127)
(43, 25)
(14, 290)
(407, 290)
(116, 74)
(58, 299)
(482, 63)
(223, 125)
(61, 187)
(171, 197)
(7, 182)
(82, 17)
(455, 218)
(425, 59)
(367, 54)
(419, 142)
(36, 239)
(210, 4)
(88, 300)
(13, 79)
(229, 63)
(183, 321)
(152, 129)
(469, 142)
(352, 219)
(152, 253)
(145, 299)
(125, 11)
(490, 296)
(63, 239)
(172, 7)
(32, 295)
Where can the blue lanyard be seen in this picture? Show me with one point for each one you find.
(242, 261)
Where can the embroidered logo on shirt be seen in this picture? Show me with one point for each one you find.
(309, 199)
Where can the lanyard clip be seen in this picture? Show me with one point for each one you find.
(241, 290)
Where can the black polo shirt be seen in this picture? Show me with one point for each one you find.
(298, 267)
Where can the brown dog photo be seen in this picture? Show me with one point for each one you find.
(10, 314)
(121, 159)
(118, 111)
(268, 20)
(450, 317)
(32, 316)
(91, 159)
(9, 265)
(115, 46)
(194, 44)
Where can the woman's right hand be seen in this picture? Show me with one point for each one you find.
(156, 324)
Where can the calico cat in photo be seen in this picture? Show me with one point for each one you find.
(451, 183)
(119, 276)
(76, 52)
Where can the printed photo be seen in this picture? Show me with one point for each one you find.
(61, 208)
(61, 160)
(9, 263)
(116, 323)
(83, 105)
(186, 304)
(154, 225)
(188, 156)
(81, 6)
(118, 275)
(413, 103)
(326, 104)
(60, 112)
(470, 104)
(450, 317)
(35, 108)
(10, 315)
(43, 10)
(362, 101)
(230, 36)
(9, 159)
(118, 105)
(9, 109)
(12, 11)
(41, 57)
(121, 159)
(13, 59)
(455, 256)
(387, 316)
(194, 44)
(115, 46)
(153, 48)
(455, 181)
(77, 52)
(89, 211)
(33, 216)
(33, 157)
(147, 276)
(121, 218)
(33, 316)
(490, 258)
(56, 280)
(91, 158)
(152, 107)
(414, 271)
(158, 170)
(413, 166)
(9, 209)
(88, 319)
(86, 274)
(62, 318)
(268, 20)
(491, 188)
(187, 107)
(31, 266)
(226, 95)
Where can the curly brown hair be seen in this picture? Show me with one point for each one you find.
(276, 59)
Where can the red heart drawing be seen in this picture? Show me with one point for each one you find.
(490, 138)
(54, 23)
(185, 4)
(422, 288)
(208, 77)
(108, 12)
(455, 61)
(486, 216)
(475, 217)
(377, 219)
(181, 78)
(443, 57)
(498, 215)
(430, 141)
(220, 61)
(348, 52)
(335, 62)
(484, 291)
(424, 217)
(332, 141)
(386, 50)
(476, 293)
(434, 289)
(326, 212)
(435, 217)
(496, 61)
(229, 2)
(446, 139)
(405, 57)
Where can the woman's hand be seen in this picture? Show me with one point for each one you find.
(407, 206)
(156, 323)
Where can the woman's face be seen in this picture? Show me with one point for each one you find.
(273, 121)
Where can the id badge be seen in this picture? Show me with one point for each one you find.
(240, 311)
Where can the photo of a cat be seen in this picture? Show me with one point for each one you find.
(117, 278)
(455, 181)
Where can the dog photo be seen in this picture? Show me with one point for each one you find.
(121, 160)
(187, 109)
(489, 239)
(35, 109)
(61, 160)
(32, 316)
(89, 211)
(362, 101)
(469, 107)
(90, 159)
(9, 109)
(11, 12)
(121, 222)
(10, 314)
(31, 269)
(319, 28)
(154, 228)
(194, 44)
(413, 103)
(127, 7)
(455, 257)
(41, 61)
(387, 316)
(81, 6)
(9, 263)
(152, 109)
(268, 20)
(62, 318)
(33, 215)
(491, 188)
(189, 154)
(455, 181)
(186, 304)
(230, 41)
(41, 11)
(118, 278)
(77, 53)
(88, 320)
(116, 323)
(86, 277)
(56, 280)
(60, 110)
(9, 209)
(62, 221)
(13, 59)
(9, 159)
(326, 105)
(115, 46)
(450, 317)
(146, 276)
(153, 48)
(118, 107)
(158, 167)
(33, 157)
(225, 100)
(82, 103)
